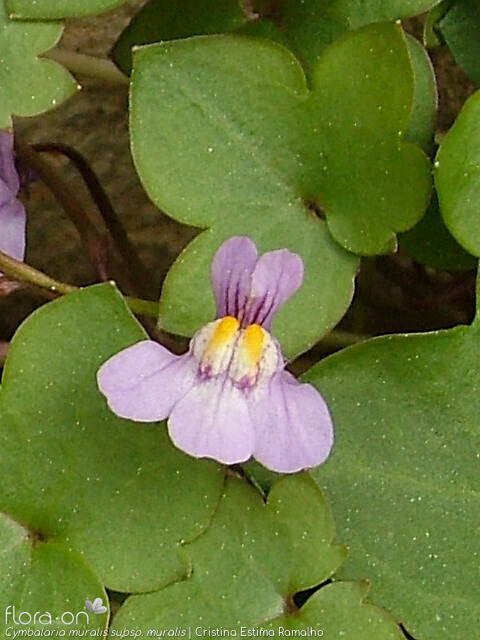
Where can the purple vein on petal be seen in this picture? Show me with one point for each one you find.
(231, 272)
(276, 277)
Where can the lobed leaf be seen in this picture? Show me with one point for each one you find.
(403, 476)
(307, 27)
(225, 134)
(313, 25)
(29, 86)
(251, 561)
(47, 578)
(76, 473)
(339, 610)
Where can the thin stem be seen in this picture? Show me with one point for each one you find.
(119, 236)
(94, 242)
(21, 271)
(90, 66)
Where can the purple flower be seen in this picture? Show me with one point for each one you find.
(228, 397)
(12, 211)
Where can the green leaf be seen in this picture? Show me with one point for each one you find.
(403, 476)
(461, 29)
(187, 301)
(313, 25)
(357, 13)
(44, 577)
(458, 176)
(250, 563)
(339, 610)
(260, 154)
(431, 243)
(266, 29)
(58, 9)
(306, 27)
(77, 473)
(29, 86)
(421, 129)
(166, 20)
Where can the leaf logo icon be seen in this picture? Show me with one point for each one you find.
(96, 606)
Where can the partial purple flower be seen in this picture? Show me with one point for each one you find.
(229, 398)
(12, 211)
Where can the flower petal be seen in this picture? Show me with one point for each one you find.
(12, 229)
(144, 381)
(8, 170)
(212, 421)
(293, 426)
(231, 273)
(276, 277)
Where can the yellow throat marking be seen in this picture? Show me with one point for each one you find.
(224, 333)
(252, 344)
(254, 341)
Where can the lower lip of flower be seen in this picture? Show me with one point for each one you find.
(248, 356)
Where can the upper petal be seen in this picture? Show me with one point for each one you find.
(8, 170)
(231, 273)
(12, 229)
(293, 427)
(276, 277)
(212, 421)
(143, 382)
